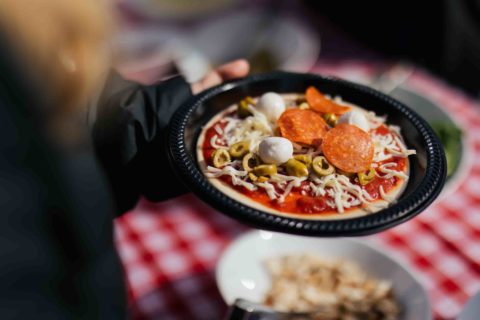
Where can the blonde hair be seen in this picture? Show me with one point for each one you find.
(62, 42)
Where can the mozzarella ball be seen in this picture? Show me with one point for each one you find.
(275, 150)
(355, 118)
(271, 105)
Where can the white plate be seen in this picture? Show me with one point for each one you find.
(240, 272)
(432, 112)
(471, 311)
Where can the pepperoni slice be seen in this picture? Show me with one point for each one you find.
(302, 126)
(320, 103)
(348, 148)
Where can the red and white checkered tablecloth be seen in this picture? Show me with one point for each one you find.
(170, 249)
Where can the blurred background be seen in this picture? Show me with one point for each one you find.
(162, 37)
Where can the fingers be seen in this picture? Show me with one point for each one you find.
(235, 69)
(211, 79)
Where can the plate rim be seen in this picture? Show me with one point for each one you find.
(187, 170)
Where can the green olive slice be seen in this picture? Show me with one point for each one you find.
(366, 177)
(220, 157)
(322, 167)
(296, 168)
(239, 149)
(331, 119)
(250, 161)
(265, 170)
(262, 179)
(242, 109)
(303, 158)
(252, 177)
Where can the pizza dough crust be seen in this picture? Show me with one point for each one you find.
(225, 188)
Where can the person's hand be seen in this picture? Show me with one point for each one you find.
(231, 70)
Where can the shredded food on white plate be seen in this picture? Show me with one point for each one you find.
(332, 289)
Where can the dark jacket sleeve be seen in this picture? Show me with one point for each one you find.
(57, 257)
(129, 129)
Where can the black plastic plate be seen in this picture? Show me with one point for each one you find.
(427, 168)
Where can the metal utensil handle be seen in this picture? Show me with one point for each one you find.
(246, 310)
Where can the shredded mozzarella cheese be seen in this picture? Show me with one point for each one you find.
(389, 173)
(253, 129)
(227, 170)
(394, 128)
(317, 190)
(279, 178)
(387, 146)
(374, 120)
(230, 125)
(384, 195)
(290, 186)
(344, 193)
(218, 129)
(214, 142)
(270, 189)
(237, 176)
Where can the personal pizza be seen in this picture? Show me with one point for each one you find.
(305, 155)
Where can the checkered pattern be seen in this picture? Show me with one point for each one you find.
(169, 250)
